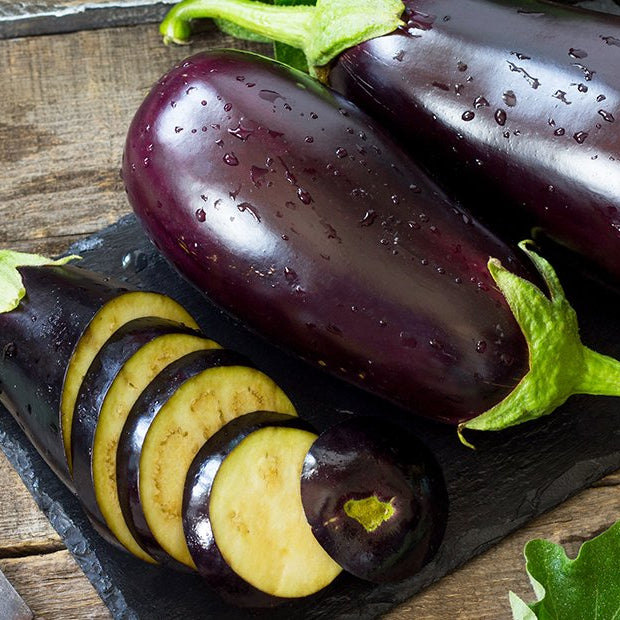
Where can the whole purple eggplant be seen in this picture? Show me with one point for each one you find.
(513, 105)
(285, 204)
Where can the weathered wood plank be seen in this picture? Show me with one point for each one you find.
(66, 105)
(23, 527)
(54, 588)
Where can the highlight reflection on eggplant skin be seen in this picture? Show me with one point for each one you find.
(288, 207)
(515, 106)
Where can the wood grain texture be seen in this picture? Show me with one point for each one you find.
(67, 101)
(54, 588)
(23, 528)
(63, 116)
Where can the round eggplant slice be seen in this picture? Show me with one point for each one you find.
(132, 379)
(104, 320)
(142, 413)
(375, 498)
(242, 513)
(105, 367)
(167, 436)
(37, 342)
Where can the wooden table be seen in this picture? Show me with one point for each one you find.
(67, 99)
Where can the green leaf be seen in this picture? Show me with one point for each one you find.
(586, 588)
(12, 290)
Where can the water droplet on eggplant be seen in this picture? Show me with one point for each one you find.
(231, 159)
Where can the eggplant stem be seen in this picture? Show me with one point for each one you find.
(322, 31)
(560, 365)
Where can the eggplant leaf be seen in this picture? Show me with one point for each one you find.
(586, 588)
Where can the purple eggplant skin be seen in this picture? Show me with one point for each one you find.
(519, 98)
(209, 561)
(108, 362)
(143, 412)
(365, 458)
(37, 340)
(288, 207)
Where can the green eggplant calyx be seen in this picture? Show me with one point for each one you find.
(322, 31)
(369, 512)
(12, 289)
(560, 365)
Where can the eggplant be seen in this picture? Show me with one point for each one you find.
(288, 207)
(514, 106)
(375, 498)
(53, 320)
(183, 406)
(99, 381)
(265, 553)
(132, 379)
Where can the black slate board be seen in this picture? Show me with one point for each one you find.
(511, 477)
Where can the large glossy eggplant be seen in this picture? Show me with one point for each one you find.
(514, 105)
(50, 315)
(287, 205)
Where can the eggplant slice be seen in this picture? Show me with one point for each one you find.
(375, 498)
(242, 513)
(169, 436)
(105, 320)
(100, 377)
(129, 449)
(132, 379)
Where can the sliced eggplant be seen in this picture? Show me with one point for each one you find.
(142, 413)
(97, 382)
(132, 379)
(104, 320)
(242, 513)
(375, 498)
(166, 428)
(37, 340)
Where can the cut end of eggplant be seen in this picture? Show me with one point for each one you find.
(375, 499)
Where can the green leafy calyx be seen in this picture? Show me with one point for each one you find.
(12, 290)
(559, 364)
